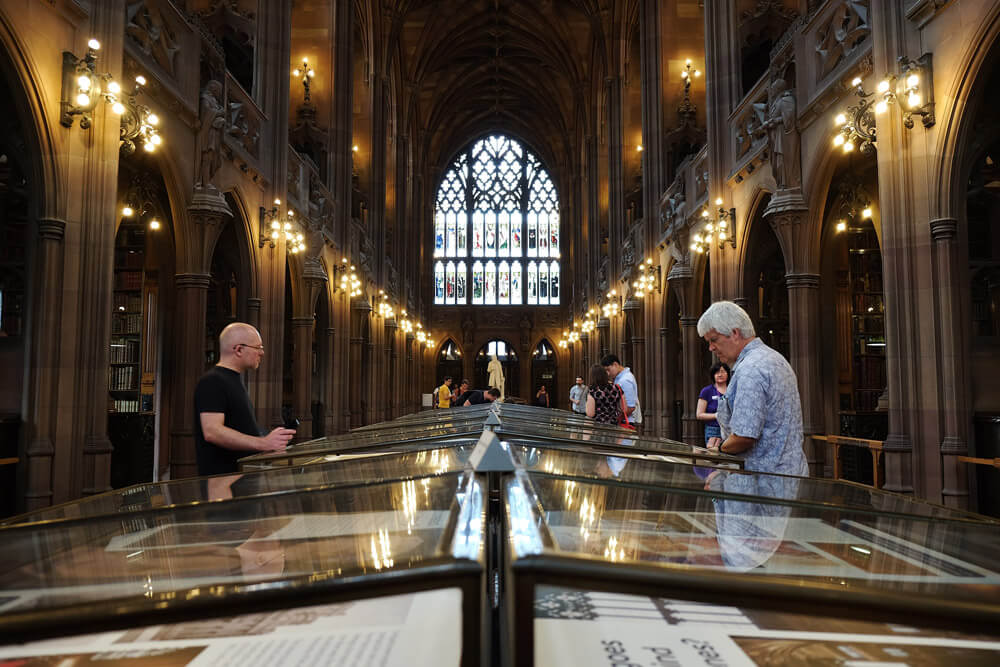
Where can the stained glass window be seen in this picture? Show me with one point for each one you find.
(439, 283)
(449, 293)
(477, 283)
(490, 289)
(496, 201)
(460, 278)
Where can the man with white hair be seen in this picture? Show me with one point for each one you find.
(761, 415)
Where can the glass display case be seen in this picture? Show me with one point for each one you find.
(499, 535)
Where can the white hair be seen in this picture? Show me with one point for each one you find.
(726, 317)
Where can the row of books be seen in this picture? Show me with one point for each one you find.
(129, 259)
(127, 301)
(869, 373)
(124, 406)
(128, 280)
(126, 323)
(124, 350)
(123, 378)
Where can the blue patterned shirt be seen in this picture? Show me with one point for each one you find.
(762, 403)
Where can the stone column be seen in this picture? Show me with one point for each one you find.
(44, 363)
(692, 431)
(955, 483)
(302, 336)
(804, 313)
(390, 397)
(189, 364)
(328, 382)
(788, 216)
(253, 311)
(616, 193)
(633, 308)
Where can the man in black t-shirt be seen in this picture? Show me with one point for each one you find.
(225, 428)
(478, 396)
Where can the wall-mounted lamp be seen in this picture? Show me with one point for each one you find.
(385, 309)
(854, 207)
(722, 229)
(349, 282)
(274, 228)
(307, 73)
(589, 321)
(83, 88)
(612, 304)
(912, 91)
(648, 279)
(138, 206)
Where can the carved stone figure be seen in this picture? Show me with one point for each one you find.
(783, 136)
(468, 328)
(213, 121)
(495, 369)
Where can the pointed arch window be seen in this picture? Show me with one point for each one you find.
(496, 202)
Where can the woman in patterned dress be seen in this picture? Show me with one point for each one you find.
(604, 400)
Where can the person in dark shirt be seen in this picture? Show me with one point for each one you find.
(225, 428)
(478, 397)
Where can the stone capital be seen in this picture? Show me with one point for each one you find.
(52, 229)
(302, 322)
(192, 280)
(944, 229)
(802, 280)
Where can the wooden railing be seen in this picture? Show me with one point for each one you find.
(873, 446)
(980, 462)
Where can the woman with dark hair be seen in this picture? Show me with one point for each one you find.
(604, 400)
(708, 404)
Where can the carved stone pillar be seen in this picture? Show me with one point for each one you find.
(253, 311)
(955, 483)
(327, 379)
(302, 336)
(44, 363)
(390, 397)
(804, 313)
(692, 431)
(189, 364)
(633, 309)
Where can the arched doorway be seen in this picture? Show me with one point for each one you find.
(507, 355)
(449, 363)
(544, 371)
(764, 283)
(142, 301)
(854, 362)
(229, 285)
(19, 202)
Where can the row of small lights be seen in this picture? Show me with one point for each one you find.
(646, 281)
(711, 231)
(349, 282)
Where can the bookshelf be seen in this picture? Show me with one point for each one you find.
(868, 370)
(124, 370)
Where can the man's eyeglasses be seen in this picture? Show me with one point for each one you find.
(256, 347)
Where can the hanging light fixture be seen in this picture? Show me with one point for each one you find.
(721, 229)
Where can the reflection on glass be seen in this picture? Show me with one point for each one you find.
(524, 533)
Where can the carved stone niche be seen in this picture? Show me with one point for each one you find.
(149, 29)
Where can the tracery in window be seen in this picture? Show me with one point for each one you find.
(497, 202)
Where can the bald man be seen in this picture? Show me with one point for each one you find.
(225, 428)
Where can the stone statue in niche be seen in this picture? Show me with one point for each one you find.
(468, 330)
(525, 325)
(783, 136)
(213, 122)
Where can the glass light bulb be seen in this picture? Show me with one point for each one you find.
(118, 108)
(718, 201)
(113, 87)
(881, 106)
(275, 226)
(141, 80)
(913, 100)
(856, 81)
(883, 86)
(156, 139)
(841, 119)
(153, 119)
(83, 100)
(866, 213)
(913, 81)
(291, 214)
(704, 213)
(697, 72)
(722, 224)
(295, 72)
(83, 82)
(848, 146)
(841, 226)
(684, 74)
(838, 140)
(312, 74)
(149, 146)
(154, 224)
(127, 211)
(94, 44)
(288, 226)
(722, 236)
